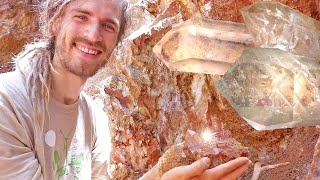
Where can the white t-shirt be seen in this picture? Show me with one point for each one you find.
(75, 142)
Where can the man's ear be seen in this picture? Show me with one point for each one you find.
(55, 26)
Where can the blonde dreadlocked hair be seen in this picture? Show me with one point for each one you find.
(37, 72)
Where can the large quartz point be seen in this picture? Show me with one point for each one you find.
(273, 89)
(203, 46)
(275, 25)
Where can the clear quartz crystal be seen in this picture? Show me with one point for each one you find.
(203, 46)
(274, 25)
(219, 145)
(273, 89)
(193, 141)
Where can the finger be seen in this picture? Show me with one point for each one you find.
(152, 173)
(196, 178)
(237, 172)
(198, 167)
(175, 173)
(226, 168)
(187, 172)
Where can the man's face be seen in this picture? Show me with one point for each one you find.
(86, 35)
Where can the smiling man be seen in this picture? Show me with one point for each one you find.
(49, 128)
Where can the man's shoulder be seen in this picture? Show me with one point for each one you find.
(13, 88)
(95, 109)
(89, 102)
(4, 76)
(11, 81)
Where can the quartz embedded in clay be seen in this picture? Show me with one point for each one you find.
(220, 148)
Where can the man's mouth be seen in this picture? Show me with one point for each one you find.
(88, 50)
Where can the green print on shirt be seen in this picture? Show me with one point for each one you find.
(74, 162)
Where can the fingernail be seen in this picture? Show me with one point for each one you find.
(206, 161)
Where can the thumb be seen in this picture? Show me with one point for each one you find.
(198, 167)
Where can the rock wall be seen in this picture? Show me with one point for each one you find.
(151, 107)
(18, 25)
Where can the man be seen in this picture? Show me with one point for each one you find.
(49, 128)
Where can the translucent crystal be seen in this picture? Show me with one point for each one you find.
(193, 141)
(220, 147)
(203, 46)
(273, 89)
(275, 25)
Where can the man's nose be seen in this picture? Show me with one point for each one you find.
(93, 33)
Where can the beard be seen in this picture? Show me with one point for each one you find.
(83, 68)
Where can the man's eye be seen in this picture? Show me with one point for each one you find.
(81, 17)
(109, 28)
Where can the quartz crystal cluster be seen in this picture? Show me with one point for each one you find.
(218, 146)
(272, 86)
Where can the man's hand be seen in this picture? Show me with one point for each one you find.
(199, 170)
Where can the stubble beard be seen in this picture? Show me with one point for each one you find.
(63, 53)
